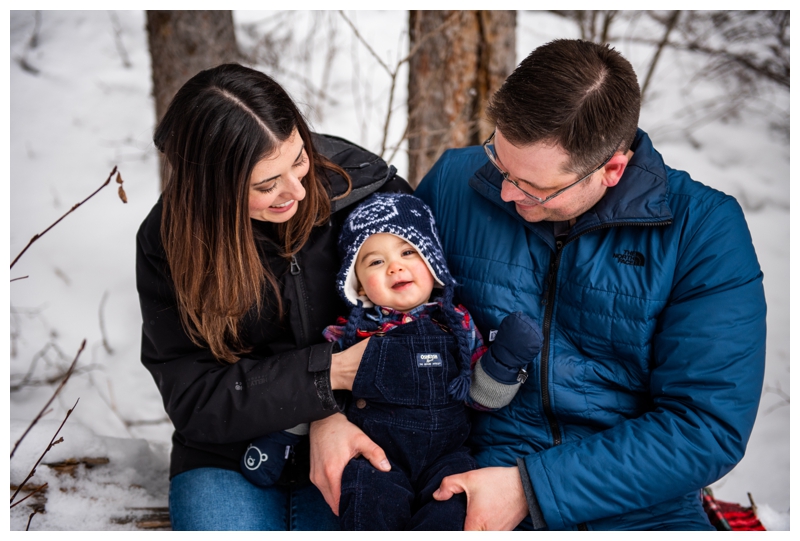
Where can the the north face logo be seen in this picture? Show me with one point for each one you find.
(630, 257)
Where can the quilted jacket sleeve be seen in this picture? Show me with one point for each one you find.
(705, 386)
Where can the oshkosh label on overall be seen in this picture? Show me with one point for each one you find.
(428, 360)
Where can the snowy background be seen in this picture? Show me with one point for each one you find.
(80, 103)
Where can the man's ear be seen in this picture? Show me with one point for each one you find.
(613, 170)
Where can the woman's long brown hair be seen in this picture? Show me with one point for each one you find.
(219, 125)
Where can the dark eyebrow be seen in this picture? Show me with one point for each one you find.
(302, 148)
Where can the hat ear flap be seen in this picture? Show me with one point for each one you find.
(356, 315)
(459, 387)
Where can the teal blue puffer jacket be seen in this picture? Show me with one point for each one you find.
(654, 320)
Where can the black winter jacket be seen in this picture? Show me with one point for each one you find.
(216, 407)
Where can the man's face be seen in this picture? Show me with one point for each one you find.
(540, 170)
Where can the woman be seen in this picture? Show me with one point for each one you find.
(236, 268)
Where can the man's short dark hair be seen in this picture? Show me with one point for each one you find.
(581, 95)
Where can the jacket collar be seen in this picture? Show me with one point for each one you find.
(640, 197)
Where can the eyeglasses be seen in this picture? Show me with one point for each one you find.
(492, 158)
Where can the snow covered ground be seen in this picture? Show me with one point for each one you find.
(81, 104)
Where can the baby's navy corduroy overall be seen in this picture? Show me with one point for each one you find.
(400, 400)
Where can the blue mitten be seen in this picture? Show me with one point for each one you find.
(518, 341)
(264, 459)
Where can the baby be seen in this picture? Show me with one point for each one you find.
(424, 362)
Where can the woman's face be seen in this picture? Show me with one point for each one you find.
(276, 182)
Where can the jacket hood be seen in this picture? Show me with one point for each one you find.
(368, 172)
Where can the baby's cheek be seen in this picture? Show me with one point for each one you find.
(371, 286)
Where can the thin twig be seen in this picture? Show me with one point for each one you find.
(25, 65)
(41, 354)
(30, 518)
(29, 382)
(58, 390)
(75, 206)
(103, 325)
(111, 403)
(388, 114)
(393, 73)
(118, 39)
(396, 147)
(608, 19)
(37, 489)
(49, 446)
(673, 20)
(20, 278)
(33, 42)
(367, 45)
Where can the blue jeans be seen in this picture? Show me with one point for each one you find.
(217, 499)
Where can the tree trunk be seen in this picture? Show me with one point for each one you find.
(463, 57)
(182, 43)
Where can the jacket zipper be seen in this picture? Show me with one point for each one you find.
(549, 300)
(301, 297)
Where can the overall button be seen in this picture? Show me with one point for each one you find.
(361, 403)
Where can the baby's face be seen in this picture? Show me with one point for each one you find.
(391, 273)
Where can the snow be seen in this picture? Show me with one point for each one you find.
(85, 112)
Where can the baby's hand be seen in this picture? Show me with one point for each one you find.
(518, 341)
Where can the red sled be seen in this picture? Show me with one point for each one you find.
(731, 517)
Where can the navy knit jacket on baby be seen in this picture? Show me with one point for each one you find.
(410, 219)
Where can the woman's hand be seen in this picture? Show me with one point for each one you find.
(334, 441)
(344, 366)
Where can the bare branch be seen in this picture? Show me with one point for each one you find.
(764, 70)
(396, 147)
(33, 42)
(27, 381)
(27, 527)
(664, 40)
(75, 206)
(608, 19)
(366, 44)
(393, 73)
(20, 278)
(58, 390)
(388, 114)
(782, 395)
(37, 489)
(53, 442)
(118, 39)
(106, 346)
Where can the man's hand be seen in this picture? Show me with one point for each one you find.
(334, 441)
(495, 498)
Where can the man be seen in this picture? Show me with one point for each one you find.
(648, 292)
(647, 288)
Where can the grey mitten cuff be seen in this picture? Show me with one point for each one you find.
(488, 392)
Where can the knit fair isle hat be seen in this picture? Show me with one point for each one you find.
(402, 215)
(410, 219)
